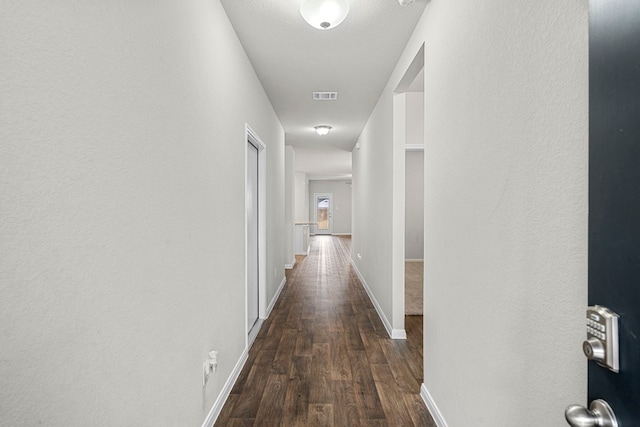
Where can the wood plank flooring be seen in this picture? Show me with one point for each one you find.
(413, 287)
(323, 358)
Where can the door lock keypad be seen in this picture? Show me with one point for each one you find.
(601, 344)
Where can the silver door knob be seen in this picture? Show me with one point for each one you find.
(599, 414)
(594, 350)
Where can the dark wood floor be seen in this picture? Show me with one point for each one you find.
(323, 358)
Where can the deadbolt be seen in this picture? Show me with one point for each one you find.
(594, 350)
(602, 344)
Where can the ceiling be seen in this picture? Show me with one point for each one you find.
(293, 59)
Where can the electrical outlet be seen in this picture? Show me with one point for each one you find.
(205, 373)
(213, 360)
(210, 365)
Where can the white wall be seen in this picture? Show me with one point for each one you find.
(122, 209)
(414, 204)
(414, 176)
(372, 192)
(414, 118)
(289, 202)
(505, 207)
(301, 197)
(341, 190)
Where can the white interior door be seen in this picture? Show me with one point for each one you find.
(323, 213)
(253, 258)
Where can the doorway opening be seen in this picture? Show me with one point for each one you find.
(255, 233)
(408, 193)
(323, 213)
(414, 228)
(407, 270)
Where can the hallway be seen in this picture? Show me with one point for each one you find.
(324, 358)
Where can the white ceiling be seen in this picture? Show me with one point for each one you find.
(293, 59)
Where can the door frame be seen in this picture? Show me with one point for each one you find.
(396, 328)
(315, 211)
(250, 137)
(613, 199)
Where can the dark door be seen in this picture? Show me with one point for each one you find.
(614, 194)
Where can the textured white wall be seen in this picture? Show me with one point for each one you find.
(122, 209)
(414, 118)
(302, 197)
(289, 202)
(414, 203)
(341, 191)
(414, 177)
(505, 207)
(372, 192)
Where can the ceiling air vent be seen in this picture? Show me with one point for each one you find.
(325, 96)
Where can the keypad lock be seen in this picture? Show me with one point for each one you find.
(601, 344)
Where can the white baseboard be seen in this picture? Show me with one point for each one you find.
(254, 332)
(399, 334)
(396, 334)
(226, 390)
(275, 298)
(413, 260)
(433, 408)
(291, 264)
(341, 234)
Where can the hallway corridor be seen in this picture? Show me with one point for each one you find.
(323, 358)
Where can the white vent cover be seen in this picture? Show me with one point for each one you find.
(325, 96)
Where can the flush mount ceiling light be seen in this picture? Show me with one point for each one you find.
(322, 129)
(324, 14)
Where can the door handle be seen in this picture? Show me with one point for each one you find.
(599, 414)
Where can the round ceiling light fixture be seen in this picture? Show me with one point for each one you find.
(322, 129)
(324, 14)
